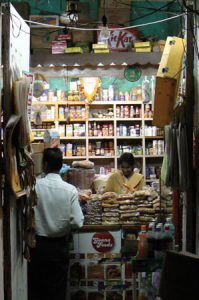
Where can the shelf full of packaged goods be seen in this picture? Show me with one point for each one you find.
(102, 113)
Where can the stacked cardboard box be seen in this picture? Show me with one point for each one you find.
(143, 46)
(100, 48)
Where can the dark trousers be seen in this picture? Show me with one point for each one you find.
(47, 269)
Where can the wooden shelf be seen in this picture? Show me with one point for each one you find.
(44, 103)
(101, 157)
(153, 156)
(74, 157)
(72, 138)
(93, 59)
(129, 137)
(129, 119)
(154, 137)
(37, 138)
(116, 102)
(72, 120)
(100, 119)
(101, 137)
(137, 156)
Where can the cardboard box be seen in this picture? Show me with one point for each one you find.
(142, 50)
(37, 159)
(165, 91)
(73, 50)
(101, 51)
(100, 46)
(168, 78)
(142, 44)
(37, 147)
(58, 47)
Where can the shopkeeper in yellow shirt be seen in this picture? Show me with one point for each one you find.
(125, 180)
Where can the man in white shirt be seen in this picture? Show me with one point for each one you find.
(57, 211)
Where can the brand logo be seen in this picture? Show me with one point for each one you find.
(103, 241)
(121, 39)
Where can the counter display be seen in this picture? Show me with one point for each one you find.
(140, 207)
(97, 268)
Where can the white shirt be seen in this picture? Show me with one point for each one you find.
(57, 208)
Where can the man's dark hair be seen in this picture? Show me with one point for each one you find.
(127, 158)
(53, 158)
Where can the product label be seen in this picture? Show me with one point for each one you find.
(103, 241)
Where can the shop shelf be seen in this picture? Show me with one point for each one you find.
(129, 119)
(93, 59)
(44, 103)
(101, 137)
(101, 157)
(129, 137)
(154, 137)
(154, 156)
(100, 119)
(72, 138)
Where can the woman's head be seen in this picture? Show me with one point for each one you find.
(127, 164)
(52, 160)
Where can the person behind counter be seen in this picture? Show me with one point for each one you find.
(57, 211)
(125, 180)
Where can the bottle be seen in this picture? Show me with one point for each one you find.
(110, 93)
(159, 241)
(169, 230)
(146, 90)
(151, 238)
(122, 111)
(117, 111)
(94, 129)
(142, 252)
(116, 92)
(132, 112)
(143, 290)
(137, 112)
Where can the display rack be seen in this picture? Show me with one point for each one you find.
(118, 140)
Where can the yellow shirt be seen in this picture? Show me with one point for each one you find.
(117, 180)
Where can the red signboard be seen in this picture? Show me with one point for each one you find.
(103, 241)
(122, 40)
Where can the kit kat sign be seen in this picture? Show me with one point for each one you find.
(103, 241)
(122, 40)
